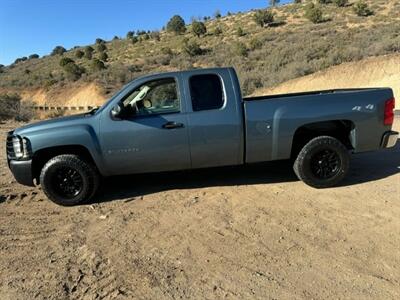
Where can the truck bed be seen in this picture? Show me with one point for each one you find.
(272, 121)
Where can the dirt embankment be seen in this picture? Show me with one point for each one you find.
(383, 71)
(71, 95)
(235, 233)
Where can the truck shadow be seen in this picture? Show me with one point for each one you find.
(373, 166)
(365, 167)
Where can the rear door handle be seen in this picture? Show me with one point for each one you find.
(172, 125)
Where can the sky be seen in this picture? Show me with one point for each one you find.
(37, 26)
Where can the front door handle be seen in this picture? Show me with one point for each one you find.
(172, 125)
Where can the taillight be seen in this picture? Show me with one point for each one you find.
(389, 114)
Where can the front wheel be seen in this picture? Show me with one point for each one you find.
(323, 162)
(68, 180)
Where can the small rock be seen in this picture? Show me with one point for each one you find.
(23, 195)
(11, 197)
(103, 217)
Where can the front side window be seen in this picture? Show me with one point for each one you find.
(206, 92)
(153, 97)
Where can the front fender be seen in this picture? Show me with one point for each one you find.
(72, 135)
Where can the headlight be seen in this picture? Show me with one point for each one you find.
(17, 146)
(21, 147)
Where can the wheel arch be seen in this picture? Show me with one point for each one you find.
(343, 130)
(41, 156)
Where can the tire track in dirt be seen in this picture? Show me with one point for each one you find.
(31, 232)
(92, 275)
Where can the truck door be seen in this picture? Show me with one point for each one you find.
(153, 135)
(215, 119)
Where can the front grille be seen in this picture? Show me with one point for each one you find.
(9, 146)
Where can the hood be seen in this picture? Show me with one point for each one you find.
(52, 123)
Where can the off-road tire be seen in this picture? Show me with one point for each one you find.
(84, 170)
(304, 165)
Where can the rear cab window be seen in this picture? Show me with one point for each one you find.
(206, 92)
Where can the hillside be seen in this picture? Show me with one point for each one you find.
(264, 57)
(383, 71)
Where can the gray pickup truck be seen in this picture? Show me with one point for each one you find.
(198, 119)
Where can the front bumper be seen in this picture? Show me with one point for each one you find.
(22, 171)
(389, 139)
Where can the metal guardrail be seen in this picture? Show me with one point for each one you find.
(62, 108)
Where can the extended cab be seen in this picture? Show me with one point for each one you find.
(198, 119)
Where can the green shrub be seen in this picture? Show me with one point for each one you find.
(97, 65)
(313, 13)
(361, 9)
(134, 39)
(73, 71)
(167, 51)
(240, 49)
(324, 1)
(65, 60)
(218, 31)
(176, 24)
(9, 105)
(255, 44)
(130, 34)
(199, 28)
(103, 56)
(240, 32)
(145, 37)
(88, 52)
(191, 48)
(33, 56)
(100, 41)
(20, 59)
(341, 3)
(155, 35)
(101, 47)
(59, 50)
(79, 54)
(263, 17)
(26, 111)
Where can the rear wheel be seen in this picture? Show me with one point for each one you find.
(323, 162)
(68, 180)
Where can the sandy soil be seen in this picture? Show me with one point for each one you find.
(252, 233)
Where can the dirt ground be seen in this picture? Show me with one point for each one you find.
(251, 233)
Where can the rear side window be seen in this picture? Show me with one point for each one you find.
(206, 92)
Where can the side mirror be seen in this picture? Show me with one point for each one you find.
(117, 110)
